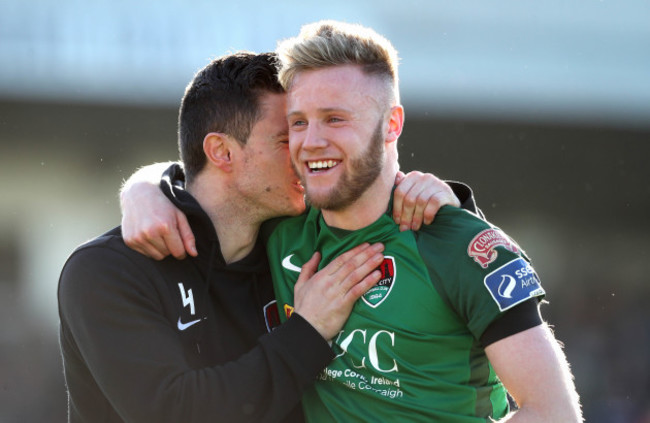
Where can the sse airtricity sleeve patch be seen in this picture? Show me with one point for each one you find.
(513, 283)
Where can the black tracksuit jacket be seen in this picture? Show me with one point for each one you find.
(180, 340)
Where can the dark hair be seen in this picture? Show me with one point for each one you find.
(223, 97)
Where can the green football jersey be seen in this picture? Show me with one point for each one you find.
(410, 349)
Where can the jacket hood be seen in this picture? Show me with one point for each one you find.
(172, 185)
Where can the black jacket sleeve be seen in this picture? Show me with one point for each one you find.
(466, 197)
(122, 356)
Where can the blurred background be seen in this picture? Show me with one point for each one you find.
(542, 107)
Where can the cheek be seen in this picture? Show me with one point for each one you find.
(280, 169)
(295, 141)
(293, 159)
(282, 161)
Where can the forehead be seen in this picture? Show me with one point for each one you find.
(335, 86)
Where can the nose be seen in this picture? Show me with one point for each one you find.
(314, 138)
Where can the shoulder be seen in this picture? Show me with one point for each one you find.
(104, 250)
(478, 267)
(104, 278)
(103, 264)
(451, 227)
(463, 239)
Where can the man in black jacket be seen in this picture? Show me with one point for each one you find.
(198, 340)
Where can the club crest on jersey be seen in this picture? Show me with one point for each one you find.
(378, 293)
(482, 246)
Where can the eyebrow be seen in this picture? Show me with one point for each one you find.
(322, 110)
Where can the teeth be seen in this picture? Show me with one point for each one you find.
(322, 164)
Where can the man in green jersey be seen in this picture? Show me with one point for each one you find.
(453, 324)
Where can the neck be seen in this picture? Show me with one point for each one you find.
(367, 208)
(236, 230)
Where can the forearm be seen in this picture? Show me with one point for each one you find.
(146, 175)
(136, 357)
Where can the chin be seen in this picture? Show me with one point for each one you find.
(318, 195)
(322, 201)
(296, 208)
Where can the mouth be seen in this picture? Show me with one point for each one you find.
(321, 165)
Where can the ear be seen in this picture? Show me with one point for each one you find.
(217, 149)
(395, 123)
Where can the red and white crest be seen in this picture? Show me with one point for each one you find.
(378, 293)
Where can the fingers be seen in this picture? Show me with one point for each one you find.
(325, 298)
(146, 250)
(418, 198)
(438, 196)
(343, 259)
(426, 207)
(186, 235)
(175, 246)
(412, 209)
(155, 241)
(357, 290)
(403, 187)
(147, 242)
(359, 267)
(309, 269)
(399, 177)
(347, 269)
(430, 212)
(152, 225)
(174, 243)
(436, 200)
(158, 239)
(408, 203)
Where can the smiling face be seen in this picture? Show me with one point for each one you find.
(337, 129)
(265, 177)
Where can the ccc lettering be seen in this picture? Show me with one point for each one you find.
(372, 343)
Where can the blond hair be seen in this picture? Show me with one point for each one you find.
(331, 43)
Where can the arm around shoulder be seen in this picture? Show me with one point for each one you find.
(151, 224)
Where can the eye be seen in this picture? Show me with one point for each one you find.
(334, 119)
(297, 125)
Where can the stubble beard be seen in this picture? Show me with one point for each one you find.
(351, 186)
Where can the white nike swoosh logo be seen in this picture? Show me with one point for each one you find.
(183, 326)
(286, 263)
